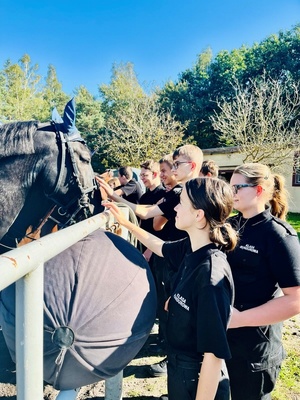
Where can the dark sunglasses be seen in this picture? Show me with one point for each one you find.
(236, 188)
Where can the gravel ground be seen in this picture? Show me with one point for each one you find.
(136, 382)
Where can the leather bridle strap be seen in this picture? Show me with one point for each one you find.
(83, 201)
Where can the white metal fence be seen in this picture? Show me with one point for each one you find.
(24, 266)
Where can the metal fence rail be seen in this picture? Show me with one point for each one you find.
(24, 266)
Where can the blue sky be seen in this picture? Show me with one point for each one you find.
(162, 38)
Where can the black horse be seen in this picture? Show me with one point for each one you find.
(99, 296)
(44, 169)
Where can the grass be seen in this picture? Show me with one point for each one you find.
(288, 384)
(294, 220)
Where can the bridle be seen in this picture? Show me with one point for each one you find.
(63, 215)
(59, 214)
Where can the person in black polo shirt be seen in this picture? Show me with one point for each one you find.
(265, 265)
(199, 307)
(184, 164)
(154, 192)
(129, 189)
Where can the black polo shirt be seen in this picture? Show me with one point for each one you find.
(132, 191)
(171, 199)
(267, 257)
(199, 307)
(151, 197)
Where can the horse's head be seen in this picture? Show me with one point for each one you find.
(74, 185)
(43, 165)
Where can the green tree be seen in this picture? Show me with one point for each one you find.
(135, 126)
(143, 132)
(122, 90)
(90, 121)
(53, 95)
(193, 99)
(188, 100)
(22, 99)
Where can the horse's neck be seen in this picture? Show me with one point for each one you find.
(21, 207)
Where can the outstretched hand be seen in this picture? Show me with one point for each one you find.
(109, 190)
(114, 209)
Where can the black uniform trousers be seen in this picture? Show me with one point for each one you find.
(257, 354)
(183, 374)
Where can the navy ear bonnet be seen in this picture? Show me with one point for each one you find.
(66, 124)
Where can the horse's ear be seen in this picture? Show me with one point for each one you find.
(69, 121)
(56, 117)
(69, 117)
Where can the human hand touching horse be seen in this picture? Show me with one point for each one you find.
(115, 210)
(105, 186)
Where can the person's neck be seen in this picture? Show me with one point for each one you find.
(153, 186)
(172, 184)
(199, 239)
(252, 212)
(184, 180)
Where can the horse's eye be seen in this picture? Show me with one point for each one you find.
(85, 158)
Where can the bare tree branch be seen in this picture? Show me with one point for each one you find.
(262, 120)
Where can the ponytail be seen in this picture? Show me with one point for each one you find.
(279, 204)
(224, 235)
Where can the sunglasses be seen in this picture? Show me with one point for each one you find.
(236, 188)
(177, 163)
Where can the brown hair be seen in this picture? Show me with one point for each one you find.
(168, 159)
(273, 185)
(126, 171)
(215, 197)
(210, 167)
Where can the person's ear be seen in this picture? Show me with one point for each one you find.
(193, 164)
(199, 215)
(259, 190)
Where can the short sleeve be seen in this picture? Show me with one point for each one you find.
(212, 320)
(285, 261)
(129, 188)
(171, 201)
(174, 252)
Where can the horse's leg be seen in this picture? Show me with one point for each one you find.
(67, 394)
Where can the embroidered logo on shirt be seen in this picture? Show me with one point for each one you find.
(181, 301)
(248, 247)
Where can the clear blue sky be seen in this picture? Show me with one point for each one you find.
(162, 38)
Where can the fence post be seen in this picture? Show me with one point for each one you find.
(113, 387)
(29, 334)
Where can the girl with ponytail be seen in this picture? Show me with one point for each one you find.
(266, 271)
(200, 302)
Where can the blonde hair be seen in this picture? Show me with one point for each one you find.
(273, 185)
(151, 165)
(191, 153)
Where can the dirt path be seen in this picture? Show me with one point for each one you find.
(136, 383)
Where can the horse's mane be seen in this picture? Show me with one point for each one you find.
(16, 138)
